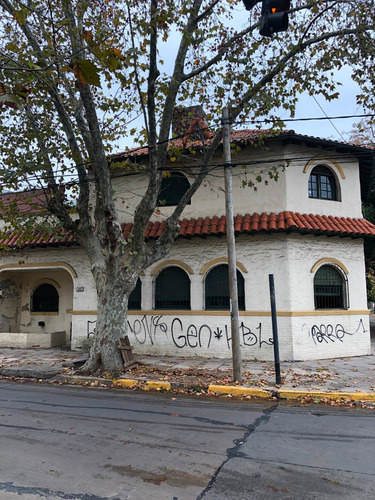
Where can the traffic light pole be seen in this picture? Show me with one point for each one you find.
(232, 267)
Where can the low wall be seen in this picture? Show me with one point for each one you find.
(29, 340)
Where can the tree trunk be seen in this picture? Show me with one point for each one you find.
(113, 290)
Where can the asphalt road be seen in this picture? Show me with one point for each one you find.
(60, 442)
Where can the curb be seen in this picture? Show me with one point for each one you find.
(352, 396)
(157, 385)
(253, 392)
(236, 390)
(28, 373)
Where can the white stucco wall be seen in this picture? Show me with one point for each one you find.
(329, 336)
(345, 170)
(290, 192)
(290, 259)
(304, 332)
(10, 301)
(209, 201)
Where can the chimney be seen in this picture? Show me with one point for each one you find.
(190, 123)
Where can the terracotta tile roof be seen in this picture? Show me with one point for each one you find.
(24, 202)
(37, 239)
(216, 226)
(247, 135)
(236, 136)
(266, 223)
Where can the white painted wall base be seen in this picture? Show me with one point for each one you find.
(209, 336)
(323, 337)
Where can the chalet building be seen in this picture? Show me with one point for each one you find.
(306, 229)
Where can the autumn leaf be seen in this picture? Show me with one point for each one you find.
(20, 15)
(86, 72)
(11, 101)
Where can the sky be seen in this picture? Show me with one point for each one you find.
(318, 107)
(308, 106)
(345, 105)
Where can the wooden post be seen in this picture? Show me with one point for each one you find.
(232, 267)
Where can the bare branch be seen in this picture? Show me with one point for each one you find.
(135, 60)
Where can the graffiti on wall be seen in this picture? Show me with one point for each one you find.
(331, 333)
(149, 329)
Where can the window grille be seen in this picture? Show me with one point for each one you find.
(172, 189)
(45, 299)
(329, 289)
(322, 184)
(217, 295)
(135, 297)
(172, 289)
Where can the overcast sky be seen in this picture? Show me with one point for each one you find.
(344, 106)
(308, 107)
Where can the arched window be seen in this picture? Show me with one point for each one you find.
(322, 184)
(172, 289)
(217, 289)
(45, 298)
(172, 189)
(135, 298)
(330, 290)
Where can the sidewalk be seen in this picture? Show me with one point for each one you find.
(351, 378)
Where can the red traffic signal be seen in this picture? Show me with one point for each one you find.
(274, 17)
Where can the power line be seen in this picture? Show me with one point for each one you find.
(260, 161)
(253, 122)
(311, 118)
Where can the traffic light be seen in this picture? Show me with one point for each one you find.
(274, 16)
(249, 4)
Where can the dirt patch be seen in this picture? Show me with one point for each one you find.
(172, 477)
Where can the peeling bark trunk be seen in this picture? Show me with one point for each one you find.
(113, 290)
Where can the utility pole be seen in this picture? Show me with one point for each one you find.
(232, 267)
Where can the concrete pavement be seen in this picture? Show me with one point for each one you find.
(351, 378)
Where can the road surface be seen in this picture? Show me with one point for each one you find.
(61, 442)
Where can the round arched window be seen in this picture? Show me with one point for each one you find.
(172, 289)
(172, 189)
(45, 299)
(322, 184)
(217, 295)
(329, 288)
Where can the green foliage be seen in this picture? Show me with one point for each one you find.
(368, 212)
(74, 76)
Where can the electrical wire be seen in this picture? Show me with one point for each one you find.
(330, 121)
(253, 162)
(280, 161)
